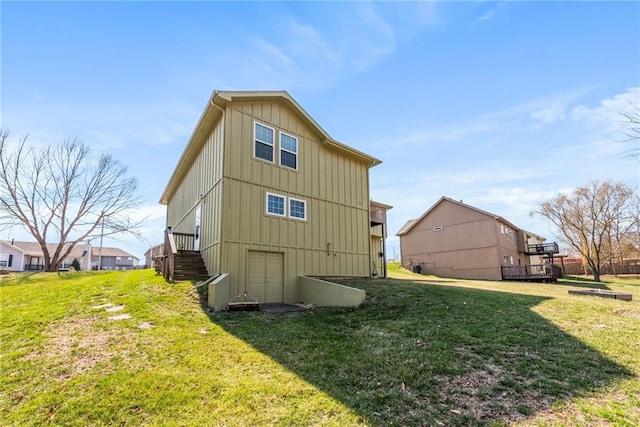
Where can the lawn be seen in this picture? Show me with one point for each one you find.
(126, 348)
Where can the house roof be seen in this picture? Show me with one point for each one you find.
(34, 249)
(213, 113)
(380, 205)
(11, 245)
(532, 234)
(105, 251)
(411, 223)
(405, 227)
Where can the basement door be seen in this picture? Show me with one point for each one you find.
(265, 279)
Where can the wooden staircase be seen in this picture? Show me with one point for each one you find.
(189, 265)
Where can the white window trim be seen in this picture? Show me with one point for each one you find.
(288, 151)
(266, 206)
(304, 203)
(255, 138)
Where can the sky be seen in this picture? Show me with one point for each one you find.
(500, 104)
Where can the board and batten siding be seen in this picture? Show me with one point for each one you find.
(332, 241)
(465, 247)
(202, 185)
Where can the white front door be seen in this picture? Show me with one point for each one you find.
(196, 231)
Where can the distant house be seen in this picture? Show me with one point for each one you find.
(151, 254)
(112, 259)
(28, 256)
(266, 198)
(453, 239)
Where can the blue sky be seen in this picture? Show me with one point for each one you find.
(499, 104)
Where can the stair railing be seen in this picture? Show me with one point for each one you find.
(170, 253)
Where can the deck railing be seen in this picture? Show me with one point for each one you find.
(531, 272)
(543, 248)
(184, 241)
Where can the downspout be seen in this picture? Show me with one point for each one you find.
(221, 220)
(224, 137)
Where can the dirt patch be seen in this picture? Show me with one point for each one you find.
(475, 394)
(77, 346)
(625, 312)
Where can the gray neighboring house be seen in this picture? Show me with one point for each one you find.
(112, 259)
(28, 256)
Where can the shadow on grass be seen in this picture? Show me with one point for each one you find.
(582, 282)
(430, 355)
(18, 278)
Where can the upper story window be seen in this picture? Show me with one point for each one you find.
(263, 142)
(288, 151)
(297, 208)
(275, 204)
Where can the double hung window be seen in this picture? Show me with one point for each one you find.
(288, 151)
(263, 142)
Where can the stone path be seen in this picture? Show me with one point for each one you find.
(110, 308)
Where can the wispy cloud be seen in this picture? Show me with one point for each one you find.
(502, 161)
(488, 11)
(309, 53)
(108, 126)
(553, 113)
(606, 115)
(375, 37)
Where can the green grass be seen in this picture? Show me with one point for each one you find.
(420, 351)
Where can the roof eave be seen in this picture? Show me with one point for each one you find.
(212, 114)
(352, 152)
(209, 116)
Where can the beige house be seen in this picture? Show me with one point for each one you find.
(453, 239)
(268, 199)
(28, 256)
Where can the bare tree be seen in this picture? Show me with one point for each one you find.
(61, 195)
(631, 121)
(594, 220)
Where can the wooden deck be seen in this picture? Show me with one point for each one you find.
(532, 273)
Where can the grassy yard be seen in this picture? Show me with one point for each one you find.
(126, 348)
